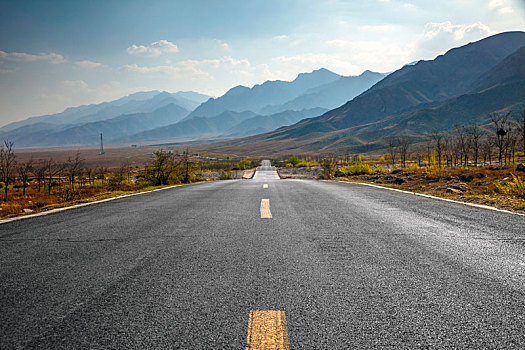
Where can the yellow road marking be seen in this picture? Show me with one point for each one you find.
(265, 186)
(267, 330)
(265, 209)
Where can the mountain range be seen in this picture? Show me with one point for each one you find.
(462, 86)
(152, 116)
(316, 112)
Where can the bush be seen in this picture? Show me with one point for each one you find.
(516, 187)
(293, 160)
(379, 170)
(413, 167)
(358, 169)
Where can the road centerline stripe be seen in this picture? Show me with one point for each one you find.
(267, 330)
(265, 186)
(265, 209)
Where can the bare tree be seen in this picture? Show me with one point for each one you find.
(24, 172)
(73, 168)
(501, 125)
(392, 142)
(40, 173)
(463, 143)
(404, 145)
(438, 139)
(474, 134)
(7, 164)
(521, 128)
(52, 169)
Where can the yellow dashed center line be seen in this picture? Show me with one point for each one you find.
(265, 186)
(267, 330)
(265, 209)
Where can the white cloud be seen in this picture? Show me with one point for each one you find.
(3, 70)
(88, 64)
(78, 85)
(408, 6)
(377, 28)
(26, 57)
(502, 6)
(154, 49)
(440, 37)
(280, 37)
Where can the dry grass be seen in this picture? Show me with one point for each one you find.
(501, 188)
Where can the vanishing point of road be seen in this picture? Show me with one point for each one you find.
(264, 264)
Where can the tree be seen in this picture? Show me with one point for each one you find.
(161, 167)
(24, 172)
(52, 169)
(474, 134)
(293, 160)
(404, 145)
(463, 143)
(73, 168)
(7, 164)
(40, 173)
(521, 128)
(439, 144)
(391, 141)
(501, 129)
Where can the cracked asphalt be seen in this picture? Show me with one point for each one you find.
(352, 266)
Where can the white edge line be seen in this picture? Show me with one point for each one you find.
(434, 197)
(52, 211)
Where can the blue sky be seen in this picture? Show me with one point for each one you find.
(56, 54)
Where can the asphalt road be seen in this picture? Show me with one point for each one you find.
(350, 265)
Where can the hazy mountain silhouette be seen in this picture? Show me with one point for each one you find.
(88, 133)
(141, 102)
(241, 98)
(330, 95)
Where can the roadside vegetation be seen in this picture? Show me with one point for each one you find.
(469, 163)
(34, 185)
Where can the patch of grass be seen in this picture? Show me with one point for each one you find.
(520, 205)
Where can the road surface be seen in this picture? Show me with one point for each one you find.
(209, 266)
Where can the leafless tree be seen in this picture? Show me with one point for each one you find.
(474, 135)
(7, 165)
(39, 169)
(521, 128)
(463, 143)
(24, 172)
(392, 149)
(438, 139)
(404, 146)
(52, 169)
(73, 168)
(501, 125)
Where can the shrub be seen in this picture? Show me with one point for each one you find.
(289, 165)
(358, 169)
(379, 170)
(293, 160)
(433, 169)
(413, 167)
(516, 187)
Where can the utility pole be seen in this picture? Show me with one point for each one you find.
(101, 146)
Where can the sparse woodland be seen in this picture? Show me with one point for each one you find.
(40, 184)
